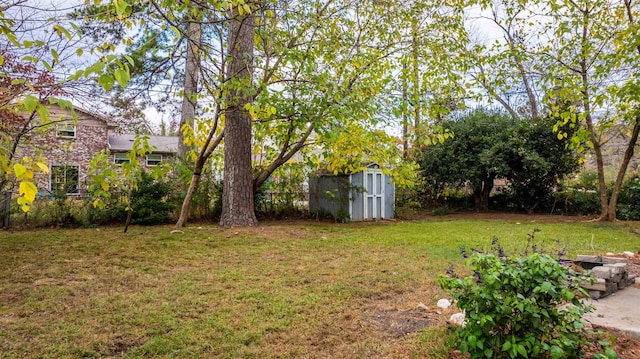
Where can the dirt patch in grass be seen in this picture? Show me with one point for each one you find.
(397, 323)
(121, 344)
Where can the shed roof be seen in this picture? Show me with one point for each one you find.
(160, 144)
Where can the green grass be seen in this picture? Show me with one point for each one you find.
(281, 290)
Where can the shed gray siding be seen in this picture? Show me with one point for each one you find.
(389, 197)
(365, 195)
(357, 196)
(327, 195)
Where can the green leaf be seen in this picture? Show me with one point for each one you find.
(30, 103)
(556, 352)
(176, 32)
(522, 350)
(61, 30)
(122, 77)
(472, 341)
(30, 59)
(56, 56)
(129, 59)
(610, 353)
(106, 82)
(47, 66)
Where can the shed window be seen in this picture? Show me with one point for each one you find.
(120, 158)
(66, 131)
(154, 159)
(64, 179)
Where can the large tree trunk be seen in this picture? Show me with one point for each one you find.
(237, 193)
(191, 76)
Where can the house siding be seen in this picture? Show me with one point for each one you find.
(90, 138)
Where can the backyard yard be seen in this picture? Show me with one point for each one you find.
(284, 289)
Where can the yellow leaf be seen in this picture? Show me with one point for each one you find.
(28, 190)
(43, 167)
(19, 170)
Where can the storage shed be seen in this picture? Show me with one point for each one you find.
(359, 196)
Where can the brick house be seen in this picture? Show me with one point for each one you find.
(68, 147)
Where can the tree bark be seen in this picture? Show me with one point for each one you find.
(481, 195)
(284, 156)
(415, 75)
(405, 119)
(204, 155)
(628, 154)
(191, 77)
(237, 193)
(597, 150)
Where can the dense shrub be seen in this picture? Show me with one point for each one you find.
(576, 202)
(629, 200)
(513, 307)
(487, 146)
(149, 201)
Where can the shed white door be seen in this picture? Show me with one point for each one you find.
(373, 195)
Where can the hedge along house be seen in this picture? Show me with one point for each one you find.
(360, 196)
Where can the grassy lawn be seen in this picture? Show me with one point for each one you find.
(282, 290)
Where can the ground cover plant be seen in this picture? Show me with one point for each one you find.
(286, 289)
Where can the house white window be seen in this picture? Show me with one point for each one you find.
(64, 179)
(154, 159)
(120, 158)
(66, 130)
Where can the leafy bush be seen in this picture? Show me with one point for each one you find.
(149, 201)
(491, 145)
(586, 180)
(513, 307)
(114, 212)
(629, 200)
(574, 202)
